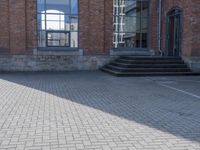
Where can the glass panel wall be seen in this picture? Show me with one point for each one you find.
(130, 18)
(57, 23)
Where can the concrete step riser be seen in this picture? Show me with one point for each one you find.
(154, 59)
(149, 65)
(148, 62)
(148, 73)
(151, 70)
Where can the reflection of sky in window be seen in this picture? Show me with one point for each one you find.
(64, 6)
(55, 20)
(57, 13)
(74, 7)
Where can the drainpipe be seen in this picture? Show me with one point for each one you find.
(160, 27)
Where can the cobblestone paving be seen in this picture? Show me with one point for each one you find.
(93, 110)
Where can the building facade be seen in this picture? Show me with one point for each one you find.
(41, 35)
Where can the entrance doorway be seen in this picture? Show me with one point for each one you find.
(174, 29)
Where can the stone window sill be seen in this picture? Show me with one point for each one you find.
(121, 51)
(58, 51)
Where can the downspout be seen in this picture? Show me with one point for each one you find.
(160, 27)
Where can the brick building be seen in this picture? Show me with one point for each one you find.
(85, 34)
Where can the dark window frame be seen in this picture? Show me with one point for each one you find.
(53, 31)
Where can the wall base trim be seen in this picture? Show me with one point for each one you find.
(52, 62)
(58, 52)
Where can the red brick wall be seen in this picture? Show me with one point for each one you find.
(95, 26)
(195, 24)
(31, 25)
(153, 20)
(4, 27)
(190, 24)
(108, 25)
(17, 26)
(186, 35)
(84, 24)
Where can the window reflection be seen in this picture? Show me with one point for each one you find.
(57, 23)
(130, 23)
(58, 39)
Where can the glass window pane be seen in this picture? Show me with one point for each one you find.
(144, 40)
(74, 23)
(74, 7)
(132, 24)
(41, 21)
(43, 25)
(130, 21)
(55, 17)
(53, 25)
(41, 6)
(67, 23)
(39, 17)
(58, 39)
(132, 40)
(74, 39)
(132, 8)
(42, 39)
(145, 6)
(59, 5)
(144, 25)
(62, 26)
(139, 8)
(57, 22)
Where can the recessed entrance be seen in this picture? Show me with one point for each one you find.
(174, 32)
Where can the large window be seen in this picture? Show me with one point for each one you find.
(57, 23)
(130, 23)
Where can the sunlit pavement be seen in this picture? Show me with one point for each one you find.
(93, 110)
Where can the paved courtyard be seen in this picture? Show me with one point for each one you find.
(93, 110)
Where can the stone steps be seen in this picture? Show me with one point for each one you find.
(147, 66)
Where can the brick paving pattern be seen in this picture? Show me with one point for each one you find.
(93, 110)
